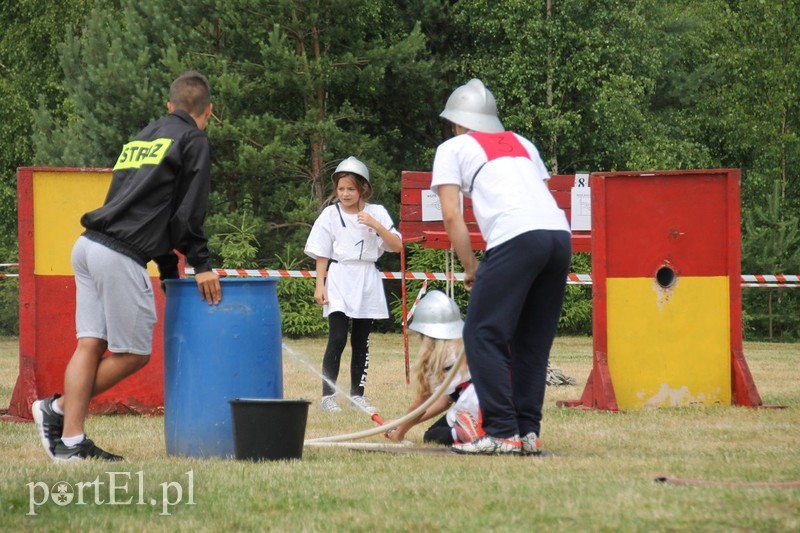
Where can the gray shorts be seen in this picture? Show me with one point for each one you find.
(114, 298)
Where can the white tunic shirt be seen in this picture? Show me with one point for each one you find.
(467, 399)
(506, 179)
(354, 284)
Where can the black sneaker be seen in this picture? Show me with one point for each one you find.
(49, 423)
(84, 450)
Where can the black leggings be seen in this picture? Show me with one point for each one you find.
(359, 361)
(439, 433)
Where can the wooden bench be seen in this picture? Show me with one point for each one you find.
(431, 234)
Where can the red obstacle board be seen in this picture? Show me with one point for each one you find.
(50, 204)
(431, 234)
(667, 323)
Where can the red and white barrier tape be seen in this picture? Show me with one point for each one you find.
(420, 294)
(748, 280)
(578, 279)
(769, 280)
(266, 273)
(7, 265)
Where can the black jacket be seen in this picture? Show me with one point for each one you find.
(158, 197)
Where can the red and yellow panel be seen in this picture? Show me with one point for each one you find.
(669, 346)
(50, 204)
(667, 309)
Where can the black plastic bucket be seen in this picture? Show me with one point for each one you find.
(271, 430)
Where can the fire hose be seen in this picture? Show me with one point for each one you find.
(402, 420)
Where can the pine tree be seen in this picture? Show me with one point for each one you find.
(771, 245)
(298, 85)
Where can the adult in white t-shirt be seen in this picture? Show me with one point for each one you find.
(518, 288)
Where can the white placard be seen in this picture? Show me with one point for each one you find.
(431, 207)
(581, 179)
(581, 203)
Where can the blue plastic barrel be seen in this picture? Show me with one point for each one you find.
(214, 354)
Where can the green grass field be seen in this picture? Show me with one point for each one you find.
(600, 476)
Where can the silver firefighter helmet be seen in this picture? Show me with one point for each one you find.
(351, 165)
(437, 316)
(473, 106)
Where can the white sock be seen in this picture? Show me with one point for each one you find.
(57, 408)
(71, 442)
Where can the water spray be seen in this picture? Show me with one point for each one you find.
(374, 416)
(383, 426)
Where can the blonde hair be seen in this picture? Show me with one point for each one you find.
(432, 356)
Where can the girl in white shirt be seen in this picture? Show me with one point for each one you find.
(438, 321)
(347, 239)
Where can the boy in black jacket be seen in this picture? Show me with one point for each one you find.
(157, 202)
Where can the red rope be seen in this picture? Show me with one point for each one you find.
(706, 483)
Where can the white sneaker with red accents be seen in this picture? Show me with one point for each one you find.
(531, 444)
(465, 426)
(488, 445)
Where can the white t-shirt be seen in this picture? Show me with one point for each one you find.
(467, 399)
(506, 179)
(354, 284)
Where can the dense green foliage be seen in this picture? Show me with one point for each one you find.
(29, 76)
(773, 246)
(300, 84)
